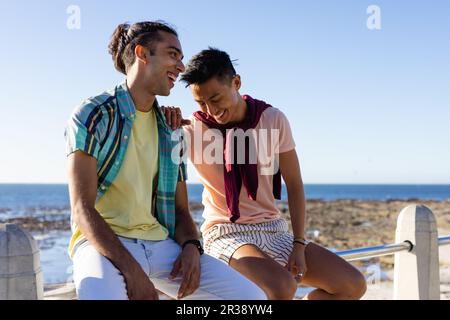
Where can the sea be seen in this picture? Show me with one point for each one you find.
(51, 201)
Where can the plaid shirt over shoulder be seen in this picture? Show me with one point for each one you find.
(101, 126)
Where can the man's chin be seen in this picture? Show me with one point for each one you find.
(224, 121)
(164, 93)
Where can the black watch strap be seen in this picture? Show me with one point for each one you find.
(196, 243)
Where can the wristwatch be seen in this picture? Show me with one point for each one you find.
(195, 243)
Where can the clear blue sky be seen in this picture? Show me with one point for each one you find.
(366, 106)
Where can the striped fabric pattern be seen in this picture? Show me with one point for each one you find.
(273, 238)
(101, 127)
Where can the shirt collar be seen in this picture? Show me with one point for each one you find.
(128, 109)
(124, 101)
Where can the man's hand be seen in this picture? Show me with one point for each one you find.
(174, 118)
(188, 262)
(297, 262)
(139, 286)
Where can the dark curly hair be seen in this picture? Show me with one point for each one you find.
(126, 37)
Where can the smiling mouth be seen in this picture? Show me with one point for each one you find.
(220, 115)
(172, 76)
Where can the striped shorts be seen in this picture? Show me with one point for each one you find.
(273, 238)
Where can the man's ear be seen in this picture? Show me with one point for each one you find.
(236, 81)
(141, 54)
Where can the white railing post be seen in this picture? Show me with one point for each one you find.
(416, 273)
(20, 271)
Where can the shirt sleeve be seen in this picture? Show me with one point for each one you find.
(80, 131)
(286, 140)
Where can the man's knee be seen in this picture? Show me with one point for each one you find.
(96, 278)
(357, 286)
(91, 288)
(282, 288)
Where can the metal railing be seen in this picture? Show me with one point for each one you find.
(416, 250)
(383, 250)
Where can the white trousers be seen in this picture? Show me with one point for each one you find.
(96, 278)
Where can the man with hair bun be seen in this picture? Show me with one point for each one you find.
(132, 232)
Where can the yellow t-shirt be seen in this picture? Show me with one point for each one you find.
(128, 204)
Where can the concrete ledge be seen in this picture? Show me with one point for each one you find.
(66, 291)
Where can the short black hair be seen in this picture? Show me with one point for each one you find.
(208, 64)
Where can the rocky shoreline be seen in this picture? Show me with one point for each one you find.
(338, 224)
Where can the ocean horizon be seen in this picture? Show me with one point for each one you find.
(19, 196)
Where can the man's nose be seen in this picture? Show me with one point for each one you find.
(211, 109)
(180, 66)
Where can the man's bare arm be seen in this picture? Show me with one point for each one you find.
(185, 228)
(290, 170)
(82, 174)
(188, 262)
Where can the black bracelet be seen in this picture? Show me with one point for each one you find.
(195, 243)
(302, 242)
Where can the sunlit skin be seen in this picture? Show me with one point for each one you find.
(220, 99)
(152, 75)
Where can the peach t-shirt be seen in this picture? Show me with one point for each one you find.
(211, 172)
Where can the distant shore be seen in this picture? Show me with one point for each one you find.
(337, 224)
